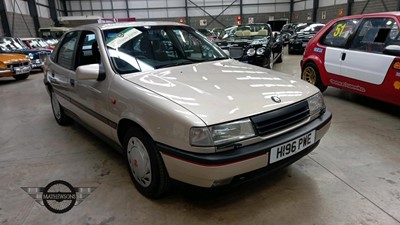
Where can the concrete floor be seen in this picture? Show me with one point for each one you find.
(353, 177)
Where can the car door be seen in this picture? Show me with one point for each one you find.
(92, 94)
(336, 40)
(61, 68)
(364, 60)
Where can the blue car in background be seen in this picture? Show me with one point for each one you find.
(15, 45)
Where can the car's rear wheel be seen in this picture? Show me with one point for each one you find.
(145, 164)
(21, 76)
(58, 110)
(311, 74)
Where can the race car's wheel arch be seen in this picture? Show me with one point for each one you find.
(310, 72)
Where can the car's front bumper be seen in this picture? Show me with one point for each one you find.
(208, 170)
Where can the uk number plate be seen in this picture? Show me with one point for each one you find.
(292, 147)
(22, 69)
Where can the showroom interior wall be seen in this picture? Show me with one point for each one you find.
(197, 13)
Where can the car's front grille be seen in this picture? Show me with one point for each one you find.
(236, 52)
(17, 64)
(280, 119)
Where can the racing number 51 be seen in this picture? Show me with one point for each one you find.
(339, 29)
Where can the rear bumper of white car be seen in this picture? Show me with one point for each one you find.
(208, 170)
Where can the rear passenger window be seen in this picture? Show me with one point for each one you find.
(339, 33)
(376, 33)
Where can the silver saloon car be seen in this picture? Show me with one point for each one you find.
(178, 107)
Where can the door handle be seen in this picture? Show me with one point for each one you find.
(72, 82)
(343, 56)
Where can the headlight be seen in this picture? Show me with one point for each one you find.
(222, 134)
(316, 105)
(251, 52)
(30, 55)
(260, 51)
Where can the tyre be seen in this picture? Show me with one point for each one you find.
(311, 74)
(58, 111)
(21, 76)
(145, 164)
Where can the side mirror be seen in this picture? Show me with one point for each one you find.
(392, 50)
(90, 72)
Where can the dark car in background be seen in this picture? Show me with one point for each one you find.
(15, 45)
(304, 33)
(254, 44)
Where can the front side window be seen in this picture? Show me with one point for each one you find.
(376, 33)
(339, 33)
(133, 49)
(66, 57)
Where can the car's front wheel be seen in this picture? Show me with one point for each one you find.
(146, 166)
(58, 110)
(311, 74)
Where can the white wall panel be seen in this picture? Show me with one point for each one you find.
(197, 2)
(137, 4)
(43, 12)
(310, 3)
(107, 5)
(75, 6)
(139, 14)
(96, 5)
(195, 12)
(248, 2)
(176, 3)
(86, 5)
(342, 2)
(214, 10)
(176, 12)
(157, 3)
(282, 1)
(266, 8)
(121, 14)
(98, 13)
(247, 9)
(119, 4)
(282, 8)
(326, 3)
(299, 6)
(235, 10)
(76, 14)
(108, 14)
(44, 2)
(157, 13)
(12, 6)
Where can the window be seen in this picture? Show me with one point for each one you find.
(66, 51)
(88, 50)
(339, 33)
(376, 33)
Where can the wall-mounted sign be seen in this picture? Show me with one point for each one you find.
(250, 20)
(323, 15)
(203, 22)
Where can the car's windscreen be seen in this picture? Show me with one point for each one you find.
(10, 44)
(133, 49)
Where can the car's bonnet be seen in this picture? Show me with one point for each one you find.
(10, 57)
(224, 90)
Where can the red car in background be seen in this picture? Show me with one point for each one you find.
(36, 43)
(359, 53)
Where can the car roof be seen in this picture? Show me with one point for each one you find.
(106, 26)
(381, 14)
